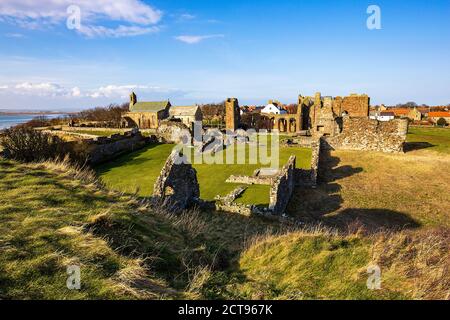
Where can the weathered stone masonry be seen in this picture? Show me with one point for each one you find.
(103, 149)
(368, 134)
(177, 186)
(282, 188)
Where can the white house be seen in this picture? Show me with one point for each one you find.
(273, 109)
(383, 116)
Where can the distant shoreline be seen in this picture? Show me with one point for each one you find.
(32, 113)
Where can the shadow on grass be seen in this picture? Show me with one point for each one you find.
(412, 146)
(323, 205)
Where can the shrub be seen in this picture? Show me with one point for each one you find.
(441, 122)
(29, 145)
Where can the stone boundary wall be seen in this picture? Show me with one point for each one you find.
(250, 180)
(74, 135)
(103, 149)
(369, 134)
(282, 188)
(226, 203)
(315, 160)
(112, 130)
(242, 209)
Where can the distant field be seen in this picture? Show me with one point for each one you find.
(100, 133)
(140, 170)
(436, 139)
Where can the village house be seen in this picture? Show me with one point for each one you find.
(273, 107)
(414, 114)
(383, 116)
(435, 116)
(400, 112)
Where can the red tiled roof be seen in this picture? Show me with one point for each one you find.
(399, 111)
(439, 114)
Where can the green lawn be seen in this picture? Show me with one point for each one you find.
(437, 139)
(140, 170)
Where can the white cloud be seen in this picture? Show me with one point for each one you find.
(197, 39)
(123, 91)
(76, 92)
(43, 13)
(53, 90)
(41, 89)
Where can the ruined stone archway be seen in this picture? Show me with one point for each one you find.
(292, 125)
(128, 122)
(282, 125)
(271, 125)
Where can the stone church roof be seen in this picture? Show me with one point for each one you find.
(154, 106)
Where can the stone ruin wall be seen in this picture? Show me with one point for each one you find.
(232, 114)
(103, 149)
(173, 132)
(373, 135)
(250, 180)
(356, 106)
(315, 160)
(227, 203)
(177, 185)
(283, 187)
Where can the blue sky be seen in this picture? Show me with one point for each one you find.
(201, 51)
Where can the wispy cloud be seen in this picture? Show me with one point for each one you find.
(123, 91)
(112, 91)
(191, 39)
(42, 89)
(140, 17)
(187, 16)
(119, 32)
(14, 35)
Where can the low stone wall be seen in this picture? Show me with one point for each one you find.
(315, 159)
(177, 186)
(282, 188)
(250, 180)
(226, 203)
(301, 141)
(104, 149)
(368, 134)
(242, 209)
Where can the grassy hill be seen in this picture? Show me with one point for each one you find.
(53, 216)
(373, 208)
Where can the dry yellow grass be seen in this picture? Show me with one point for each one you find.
(380, 191)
